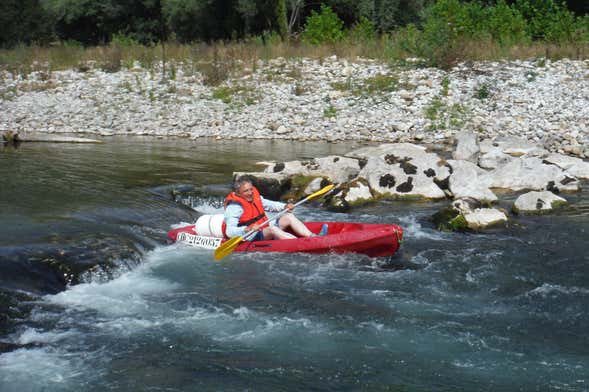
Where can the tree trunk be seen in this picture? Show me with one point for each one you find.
(281, 19)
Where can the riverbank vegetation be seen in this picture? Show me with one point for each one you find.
(199, 36)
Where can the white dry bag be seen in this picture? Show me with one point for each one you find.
(210, 225)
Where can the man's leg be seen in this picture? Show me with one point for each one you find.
(292, 222)
(274, 232)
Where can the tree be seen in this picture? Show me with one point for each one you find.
(24, 21)
(92, 22)
(281, 19)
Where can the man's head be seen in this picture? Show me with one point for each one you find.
(245, 189)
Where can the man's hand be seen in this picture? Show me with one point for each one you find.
(290, 207)
(253, 227)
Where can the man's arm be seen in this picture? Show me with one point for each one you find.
(272, 206)
(232, 214)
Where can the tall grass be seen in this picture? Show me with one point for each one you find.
(219, 61)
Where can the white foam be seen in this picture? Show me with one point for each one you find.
(121, 296)
(181, 224)
(208, 208)
(38, 369)
(413, 229)
(550, 289)
(32, 335)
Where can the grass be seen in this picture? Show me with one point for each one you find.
(219, 61)
(374, 86)
(237, 95)
(442, 116)
(329, 112)
(482, 92)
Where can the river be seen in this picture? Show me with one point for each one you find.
(94, 299)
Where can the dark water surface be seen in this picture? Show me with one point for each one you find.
(92, 298)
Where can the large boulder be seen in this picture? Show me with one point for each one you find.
(537, 202)
(493, 158)
(469, 180)
(530, 174)
(502, 150)
(271, 185)
(513, 146)
(467, 147)
(337, 169)
(403, 170)
(350, 195)
(575, 167)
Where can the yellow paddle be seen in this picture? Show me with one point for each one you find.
(229, 246)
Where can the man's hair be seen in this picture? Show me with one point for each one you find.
(239, 182)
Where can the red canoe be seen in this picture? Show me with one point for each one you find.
(374, 240)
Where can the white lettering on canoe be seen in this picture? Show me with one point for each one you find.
(199, 240)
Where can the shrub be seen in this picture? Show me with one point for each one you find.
(323, 27)
(482, 91)
(547, 19)
(505, 24)
(122, 40)
(363, 31)
(329, 112)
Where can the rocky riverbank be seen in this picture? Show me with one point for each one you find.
(471, 179)
(301, 99)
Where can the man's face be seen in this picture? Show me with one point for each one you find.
(246, 190)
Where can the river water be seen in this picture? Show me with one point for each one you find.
(93, 299)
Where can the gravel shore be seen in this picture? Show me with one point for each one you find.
(303, 99)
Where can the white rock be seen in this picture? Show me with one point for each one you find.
(358, 191)
(467, 147)
(535, 202)
(528, 173)
(481, 218)
(576, 167)
(468, 180)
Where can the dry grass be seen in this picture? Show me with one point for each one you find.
(219, 61)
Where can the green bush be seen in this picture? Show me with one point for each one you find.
(445, 22)
(547, 19)
(323, 27)
(406, 40)
(363, 31)
(123, 41)
(505, 24)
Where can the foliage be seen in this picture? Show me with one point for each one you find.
(440, 32)
(323, 27)
(329, 112)
(547, 19)
(24, 21)
(482, 92)
(94, 22)
(505, 24)
(363, 31)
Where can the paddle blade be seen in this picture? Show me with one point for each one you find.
(320, 192)
(227, 247)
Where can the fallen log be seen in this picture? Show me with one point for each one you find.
(14, 137)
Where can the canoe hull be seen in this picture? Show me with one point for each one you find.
(373, 240)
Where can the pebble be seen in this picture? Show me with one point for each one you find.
(546, 103)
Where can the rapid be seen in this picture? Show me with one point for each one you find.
(94, 299)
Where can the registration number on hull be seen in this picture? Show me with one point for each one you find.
(199, 240)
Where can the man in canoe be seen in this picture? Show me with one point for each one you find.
(245, 210)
